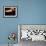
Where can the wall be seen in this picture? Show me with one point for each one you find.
(7, 25)
(29, 12)
(32, 11)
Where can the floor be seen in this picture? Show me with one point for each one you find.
(7, 45)
(30, 43)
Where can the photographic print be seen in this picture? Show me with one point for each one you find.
(32, 32)
(10, 11)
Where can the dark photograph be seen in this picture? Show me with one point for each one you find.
(10, 11)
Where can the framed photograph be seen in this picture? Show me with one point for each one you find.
(10, 11)
(33, 32)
